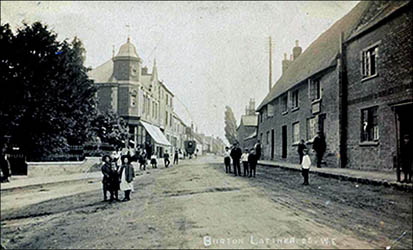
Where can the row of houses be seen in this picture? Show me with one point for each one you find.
(353, 83)
(130, 90)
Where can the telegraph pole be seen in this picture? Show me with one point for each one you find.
(270, 62)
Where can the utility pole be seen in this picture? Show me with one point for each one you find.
(270, 71)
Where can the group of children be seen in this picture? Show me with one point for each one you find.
(249, 162)
(248, 159)
(117, 176)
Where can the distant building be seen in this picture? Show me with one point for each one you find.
(247, 130)
(129, 90)
(353, 83)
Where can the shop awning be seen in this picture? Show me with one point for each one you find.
(156, 134)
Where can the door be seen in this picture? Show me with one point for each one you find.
(284, 142)
(405, 124)
(272, 144)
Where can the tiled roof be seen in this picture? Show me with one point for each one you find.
(320, 55)
(102, 73)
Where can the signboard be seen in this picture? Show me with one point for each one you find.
(315, 107)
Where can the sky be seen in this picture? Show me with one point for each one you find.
(209, 54)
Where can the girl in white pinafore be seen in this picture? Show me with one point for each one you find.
(126, 177)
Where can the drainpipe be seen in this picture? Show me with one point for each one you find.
(342, 103)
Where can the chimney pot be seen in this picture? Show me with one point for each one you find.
(296, 43)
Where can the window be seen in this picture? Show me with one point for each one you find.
(166, 118)
(261, 138)
(167, 99)
(369, 61)
(311, 128)
(133, 99)
(170, 120)
(294, 99)
(144, 105)
(270, 110)
(296, 132)
(315, 90)
(268, 137)
(369, 126)
(284, 103)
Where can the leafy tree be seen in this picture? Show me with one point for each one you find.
(111, 129)
(230, 125)
(46, 98)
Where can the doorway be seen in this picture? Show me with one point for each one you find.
(404, 126)
(272, 144)
(284, 142)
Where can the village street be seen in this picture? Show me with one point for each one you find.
(197, 205)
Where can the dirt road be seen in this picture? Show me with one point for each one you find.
(197, 205)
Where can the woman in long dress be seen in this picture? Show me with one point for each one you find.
(126, 177)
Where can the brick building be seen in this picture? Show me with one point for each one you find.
(341, 86)
(247, 130)
(379, 88)
(138, 96)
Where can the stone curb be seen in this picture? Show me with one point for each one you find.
(35, 185)
(363, 180)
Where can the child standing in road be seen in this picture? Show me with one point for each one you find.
(227, 160)
(126, 177)
(244, 159)
(252, 162)
(153, 161)
(305, 166)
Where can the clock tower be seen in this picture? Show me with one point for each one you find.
(127, 64)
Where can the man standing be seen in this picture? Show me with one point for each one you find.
(258, 150)
(252, 162)
(176, 157)
(300, 149)
(5, 164)
(166, 158)
(236, 156)
(406, 150)
(319, 146)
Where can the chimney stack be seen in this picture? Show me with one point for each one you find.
(285, 63)
(296, 50)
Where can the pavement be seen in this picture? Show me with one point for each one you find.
(387, 179)
(23, 182)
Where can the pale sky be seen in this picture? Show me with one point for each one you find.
(210, 54)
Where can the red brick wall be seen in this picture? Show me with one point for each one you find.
(394, 76)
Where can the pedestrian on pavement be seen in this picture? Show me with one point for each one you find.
(227, 160)
(236, 156)
(300, 149)
(176, 157)
(305, 166)
(4, 164)
(126, 177)
(154, 162)
(106, 169)
(252, 162)
(406, 155)
(257, 148)
(166, 159)
(244, 159)
(319, 146)
(142, 159)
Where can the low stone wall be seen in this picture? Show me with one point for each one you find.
(37, 169)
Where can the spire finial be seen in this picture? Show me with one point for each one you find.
(113, 51)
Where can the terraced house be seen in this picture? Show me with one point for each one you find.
(353, 83)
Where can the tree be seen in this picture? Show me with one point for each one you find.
(230, 126)
(111, 129)
(46, 98)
